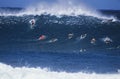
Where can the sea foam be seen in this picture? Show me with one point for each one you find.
(9, 72)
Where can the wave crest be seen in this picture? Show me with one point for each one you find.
(59, 8)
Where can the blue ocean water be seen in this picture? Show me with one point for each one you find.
(59, 47)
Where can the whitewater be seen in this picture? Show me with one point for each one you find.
(67, 7)
(61, 40)
(9, 72)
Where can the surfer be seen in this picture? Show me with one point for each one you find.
(53, 40)
(82, 50)
(107, 40)
(93, 40)
(70, 36)
(42, 37)
(83, 36)
(32, 22)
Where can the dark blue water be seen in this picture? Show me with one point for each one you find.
(100, 62)
(20, 44)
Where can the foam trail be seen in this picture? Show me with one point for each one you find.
(59, 8)
(8, 72)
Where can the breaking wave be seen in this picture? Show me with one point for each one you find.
(9, 72)
(59, 9)
(80, 31)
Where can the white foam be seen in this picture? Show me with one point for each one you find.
(8, 72)
(59, 8)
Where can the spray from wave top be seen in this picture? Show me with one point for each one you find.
(68, 7)
(59, 8)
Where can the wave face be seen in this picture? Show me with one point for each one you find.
(59, 45)
(79, 31)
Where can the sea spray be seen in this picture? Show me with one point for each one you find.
(9, 72)
(69, 8)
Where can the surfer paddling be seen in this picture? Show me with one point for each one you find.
(83, 36)
(107, 40)
(93, 40)
(42, 37)
(70, 36)
(53, 40)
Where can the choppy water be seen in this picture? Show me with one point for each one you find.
(68, 46)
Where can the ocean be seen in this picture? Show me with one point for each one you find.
(57, 44)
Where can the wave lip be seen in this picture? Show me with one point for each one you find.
(58, 9)
(9, 72)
